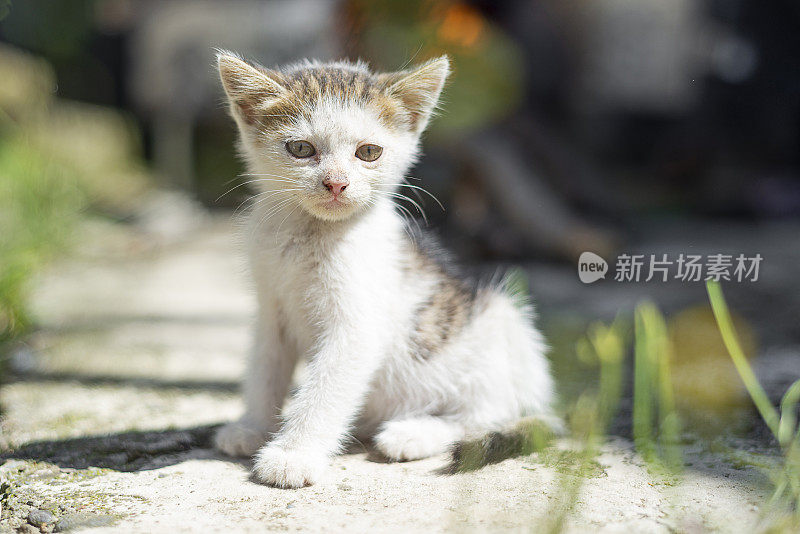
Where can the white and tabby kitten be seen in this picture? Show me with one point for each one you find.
(399, 350)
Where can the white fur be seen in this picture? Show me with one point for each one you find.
(330, 289)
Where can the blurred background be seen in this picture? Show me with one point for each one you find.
(611, 126)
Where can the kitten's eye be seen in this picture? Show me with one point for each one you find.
(301, 149)
(369, 152)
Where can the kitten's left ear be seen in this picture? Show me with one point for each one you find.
(418, 89)
(250, 89)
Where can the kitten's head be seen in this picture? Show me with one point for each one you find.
(331, 137)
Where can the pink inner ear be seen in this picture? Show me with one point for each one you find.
(418, 102)
(247, 110)
(419, 91)
(247, 86)
(250, 102)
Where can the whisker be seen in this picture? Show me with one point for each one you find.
(242, 185)
(408, 217)
(284, 220)
(259, 198)
(265, 198)
(404, 197)
(406, 223)
(241, 206)
(418, 188)
(273, 175)
(256, 174)
(270, 212)
(277, 207)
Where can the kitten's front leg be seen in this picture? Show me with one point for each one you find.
(320, 414)
(269, 373)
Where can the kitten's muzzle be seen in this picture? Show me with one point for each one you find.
(336, 184)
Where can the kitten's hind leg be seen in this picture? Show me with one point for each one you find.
(417, 437)
(240, 438)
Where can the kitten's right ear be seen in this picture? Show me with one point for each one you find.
(419, 89)
(249, 89)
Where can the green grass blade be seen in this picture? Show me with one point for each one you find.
(656, 421)
(608, 343)
(725, 324)
(786, 426)
(643, 385)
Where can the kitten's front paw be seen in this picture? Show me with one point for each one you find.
(239, 439)
(288, 468)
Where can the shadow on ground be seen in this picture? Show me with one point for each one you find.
(125, 451)
(110, 380)
(139, 450)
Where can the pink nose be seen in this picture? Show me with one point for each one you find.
(336, 185)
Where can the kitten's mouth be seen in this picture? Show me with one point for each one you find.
(332, 208)
(334, 204)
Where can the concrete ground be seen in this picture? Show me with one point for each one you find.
(107, 420)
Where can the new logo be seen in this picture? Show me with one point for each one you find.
(591, 267)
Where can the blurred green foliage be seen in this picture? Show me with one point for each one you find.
(603, 347)
(656, 425)
(40, 201)
(56, 159)
(662, 351)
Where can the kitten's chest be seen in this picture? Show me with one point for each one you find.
(282, 284)
(302, 278)
(289, 269)
(318, 276)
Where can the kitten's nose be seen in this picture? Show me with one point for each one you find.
(335, 184)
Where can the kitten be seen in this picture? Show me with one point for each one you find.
(399, 350)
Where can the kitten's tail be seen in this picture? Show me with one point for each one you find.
(526, 436)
